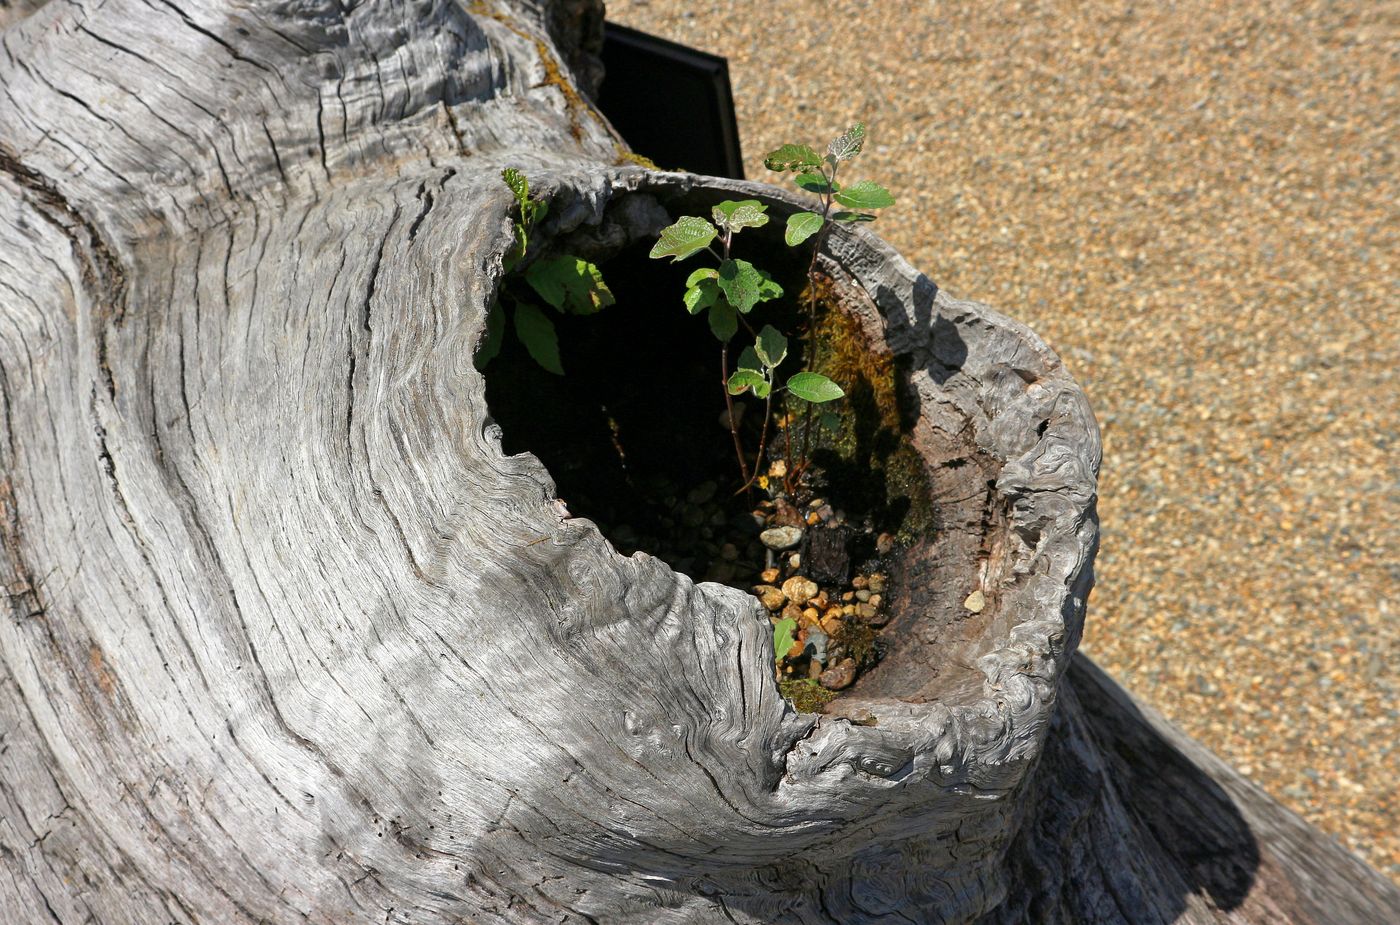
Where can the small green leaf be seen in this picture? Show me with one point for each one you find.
(570, 284)
(792, 157)
(701, 296)
(702, 273)
(743, 379)
(519, 185)
(763, 389)
(747, 213)
(814, 387)
(537, 333)
(831, 421)
(740, 281)
(724, 322)
(853, 217)
(867, 194)
(684, 238)
(749, 360)
(801, 226)
(768, 289)
(783, 638)
(848, 144)
(495, 329)
(771, 346)
(816, 183)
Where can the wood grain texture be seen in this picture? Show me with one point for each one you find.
(290, 639)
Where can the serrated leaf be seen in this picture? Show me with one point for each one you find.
(748, 359)
(853, 217)
(495, 334)
(848, 144)
(771, 346)
(783, 638)
(740, 281)
(792, 157)
(747, 213)
(570, 284)
(537, 333)
(519, 185)
(816, 183)
(814, 387)
(692, 233)
(724, 322)
(867, 194)
(741, 380)
(701, 296)
(702, 273)
(801, 226)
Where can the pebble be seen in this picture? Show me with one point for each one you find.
(831, 623)
(877, 583)
(795, 560)
(976, 601)
(785, 515)
(816, 642)
(884, 544)
(781, 537)
(794, 613)
(867, 613)
(799, 590)
(863, 596)
(778, 470)
(839, 676)
(770, 576)
(771, 597)
(859, 582)
(702, 493)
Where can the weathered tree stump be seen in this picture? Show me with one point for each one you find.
(289, 637)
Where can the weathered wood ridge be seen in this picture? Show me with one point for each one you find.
(288, 638)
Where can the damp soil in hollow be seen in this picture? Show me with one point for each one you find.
(634, 437)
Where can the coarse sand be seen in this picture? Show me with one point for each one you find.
(1197, 205)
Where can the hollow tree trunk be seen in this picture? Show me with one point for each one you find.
(290, 638)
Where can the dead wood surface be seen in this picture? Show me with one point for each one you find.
(291, 639)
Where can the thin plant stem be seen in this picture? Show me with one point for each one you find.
(733, 423)
(812, 342)
(762, 444)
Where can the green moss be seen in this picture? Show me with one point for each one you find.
(858, 639)
(631, 157)
(806, 695)
(873, 435)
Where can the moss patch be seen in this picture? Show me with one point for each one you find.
(870, 452)
(806, 695)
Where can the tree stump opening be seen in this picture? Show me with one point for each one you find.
(633, 436)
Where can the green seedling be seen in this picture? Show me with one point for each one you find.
(565, 283)
(818, 174)
(727, 293)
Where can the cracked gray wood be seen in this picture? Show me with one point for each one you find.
(288, 638)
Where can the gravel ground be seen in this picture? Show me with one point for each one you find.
(1195, 204)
